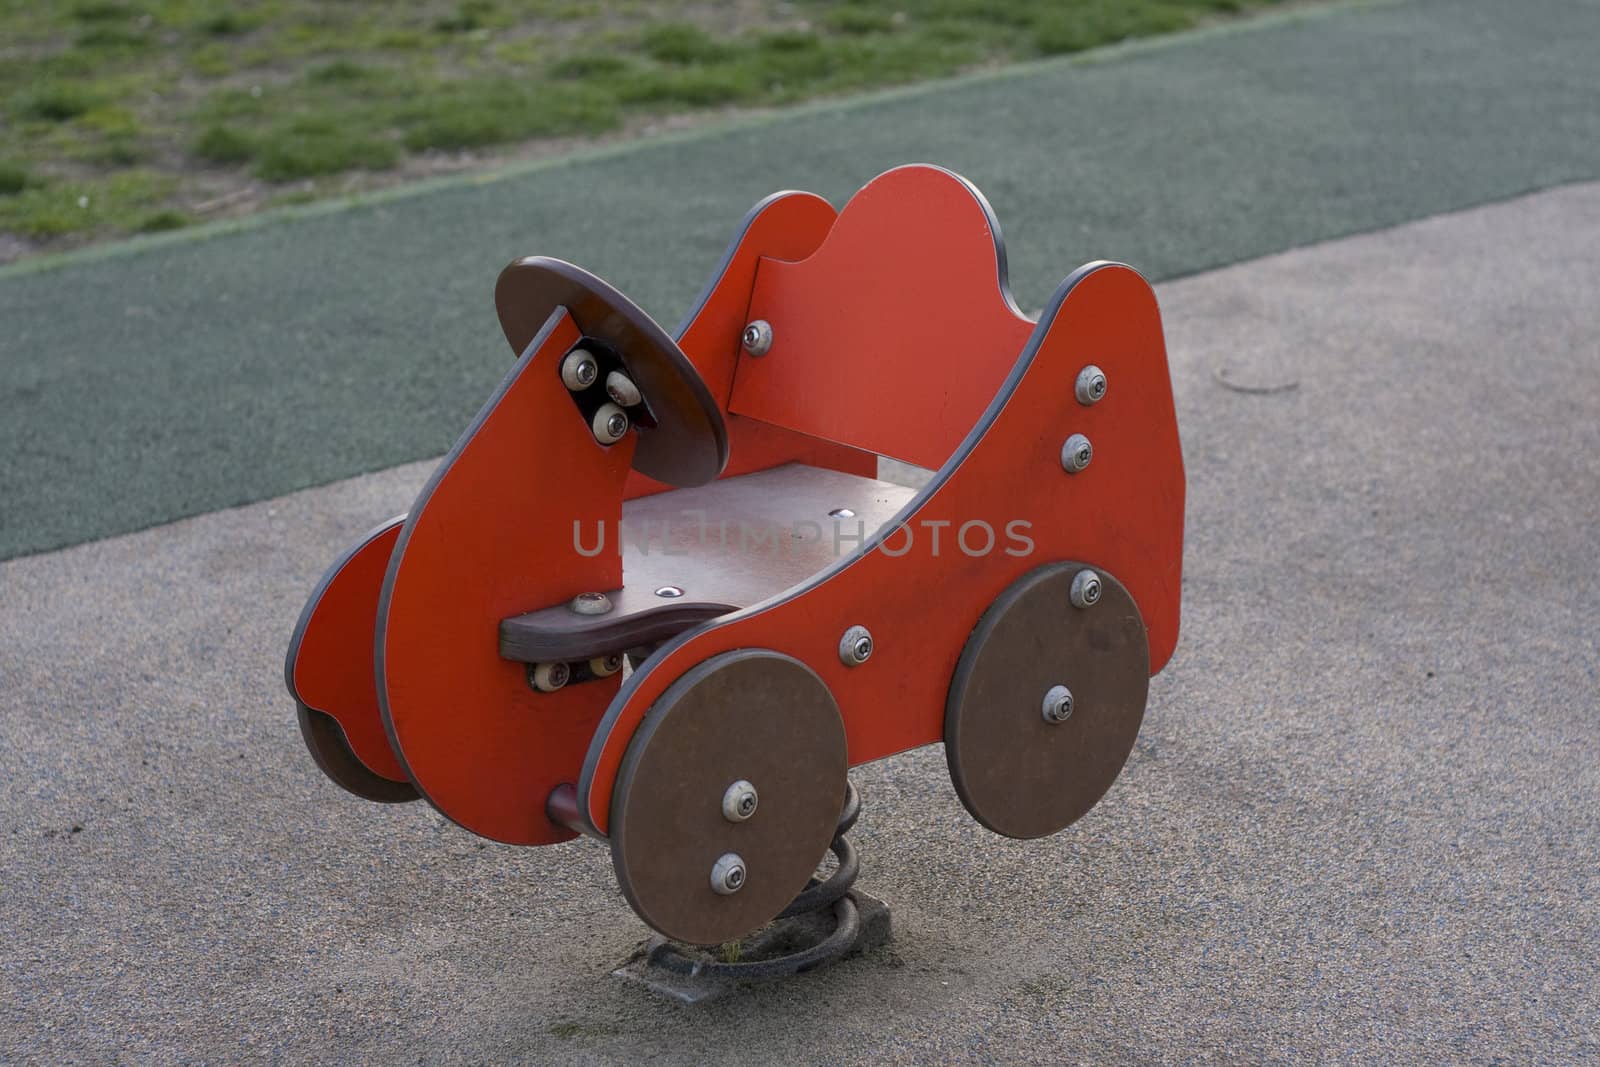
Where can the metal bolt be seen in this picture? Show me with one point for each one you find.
(1085, 589)
(1091, 385)
(1057, 705)
(1076, 453)
(548, 677)
(606, 666)
(757, 339)
(590, 604)
(841, 513)
(728, 873)
(855, 647)
(670, 592)
(609, 424)
(579, 370)
(620, 388)
(739, 802)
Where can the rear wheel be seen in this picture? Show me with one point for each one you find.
(1047, 700)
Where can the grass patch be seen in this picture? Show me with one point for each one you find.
(58, 103)
(100, 11)
(309, 146)
(14, 178)
(1064, 30)
(469, 114)
(112, 203)
(161, 221)
(224, 144)
(229, 23)
(596, 65)
(468, 16)
(123, 104)
(683, 44)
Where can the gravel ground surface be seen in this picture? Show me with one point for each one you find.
(1361, 824)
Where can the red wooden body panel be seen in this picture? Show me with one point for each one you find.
(491, 536)
(1124, 513)
(330, 659)
(784, 226)
(896, 333)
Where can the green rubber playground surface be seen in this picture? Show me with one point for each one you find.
(172, 377)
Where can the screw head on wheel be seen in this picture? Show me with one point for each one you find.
(739, 802)
(1057, 705)
(728, 874)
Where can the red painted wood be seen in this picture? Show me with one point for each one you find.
(332, 662)
(786, 226)
(1124, 513)
(492, 536)
(895, 334)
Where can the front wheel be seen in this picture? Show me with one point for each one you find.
(728, 796)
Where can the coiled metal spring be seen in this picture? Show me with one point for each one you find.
(833, 891)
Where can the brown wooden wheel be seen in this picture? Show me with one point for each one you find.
(752, 718)
(1024, 769)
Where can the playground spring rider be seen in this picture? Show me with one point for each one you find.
(474, 651)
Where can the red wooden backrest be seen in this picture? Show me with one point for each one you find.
(896, 333)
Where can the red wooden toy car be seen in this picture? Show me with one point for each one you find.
(704, 509)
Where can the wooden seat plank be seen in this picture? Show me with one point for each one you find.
(728, 545)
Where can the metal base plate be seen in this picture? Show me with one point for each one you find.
(755, 715)
(783, 938)
(1018, 774)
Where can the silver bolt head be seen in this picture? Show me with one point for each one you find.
(1090, 387)
(609, 424)
(670, 592)
(757, 338)
(589, 604)
(620, 387)
(728, 873)
(739, 802)
(1076, 453)
(1057, 706)
(855, 647)
(1086, 589)
(579, 370)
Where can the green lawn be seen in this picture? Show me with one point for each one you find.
(127, 115)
